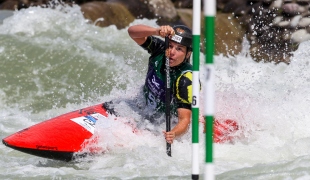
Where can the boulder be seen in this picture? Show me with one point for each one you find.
(183, 4)
(229, 33)
(228, 37)
(274, 28)
(9, 5)
(163, 10)
(105, 14)
(138, 8)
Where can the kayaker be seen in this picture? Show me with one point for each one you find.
(180, 47)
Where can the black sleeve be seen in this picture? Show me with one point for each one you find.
(153, 45)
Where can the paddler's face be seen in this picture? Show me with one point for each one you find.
(177, 53)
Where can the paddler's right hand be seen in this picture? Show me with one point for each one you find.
(164, 31)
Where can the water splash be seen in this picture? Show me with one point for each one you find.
(61, 63)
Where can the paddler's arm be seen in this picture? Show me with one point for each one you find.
(140, 32)
(184, 116)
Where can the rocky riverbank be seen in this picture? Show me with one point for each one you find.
(274, 28)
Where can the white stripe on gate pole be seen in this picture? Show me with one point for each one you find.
(209, 13)
(196, 88)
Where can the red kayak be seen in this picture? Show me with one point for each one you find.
(62, 136)
(59, 137)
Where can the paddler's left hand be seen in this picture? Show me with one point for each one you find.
(169, 136)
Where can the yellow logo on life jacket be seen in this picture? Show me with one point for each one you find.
(185, 98)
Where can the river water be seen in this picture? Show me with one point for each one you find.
(53, 61)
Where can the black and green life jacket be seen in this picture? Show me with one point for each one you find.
(154, 87)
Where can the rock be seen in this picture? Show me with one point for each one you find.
(304, 22)
(163, 10)
(232, 5)
(277, 20)
(228, 38)
(111, 13)
(186, 16)
(274, 28)
(139, 8)
(220, 4)
(267, 3)
(295, 21)
(277, 4)
(292, 9)
(9, 5)
(303, 2)
(284, 24)
(300, 36)
(183, 4)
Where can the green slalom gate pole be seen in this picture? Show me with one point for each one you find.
(196, 88)
(209, 13)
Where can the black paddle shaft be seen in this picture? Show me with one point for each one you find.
(167, 94)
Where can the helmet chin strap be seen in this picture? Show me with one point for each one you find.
(186, 59)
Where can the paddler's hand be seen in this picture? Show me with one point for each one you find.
(169, 136)
(164, 31)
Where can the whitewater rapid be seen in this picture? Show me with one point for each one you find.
(53, 61)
